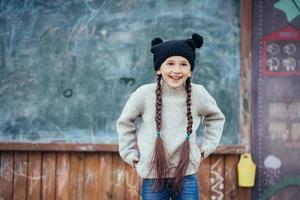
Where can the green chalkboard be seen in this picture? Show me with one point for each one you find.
(68, 67)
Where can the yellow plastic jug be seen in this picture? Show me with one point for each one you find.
(246, 171)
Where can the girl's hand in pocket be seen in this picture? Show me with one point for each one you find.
(135, 161)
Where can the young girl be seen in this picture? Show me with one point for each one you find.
(163, 150)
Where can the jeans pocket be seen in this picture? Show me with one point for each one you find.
(191, 178)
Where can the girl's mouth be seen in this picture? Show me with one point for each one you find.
(175, 77)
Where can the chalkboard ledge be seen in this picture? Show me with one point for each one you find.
(21, 146)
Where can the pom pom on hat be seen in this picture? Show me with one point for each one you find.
(198, 40)
(156, 41)
(185, 48)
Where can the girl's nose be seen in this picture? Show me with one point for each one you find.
(176, 68)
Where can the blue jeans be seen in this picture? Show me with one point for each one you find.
(189, 189)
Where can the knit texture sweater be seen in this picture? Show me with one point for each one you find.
(140, 141)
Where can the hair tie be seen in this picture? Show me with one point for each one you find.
(187, 137)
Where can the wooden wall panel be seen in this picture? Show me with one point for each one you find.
(217, 176)
(231, 187)
(132, 183)
(99, 175)
(76, 176)
(34, 175)
(91, 176)
(48, 175)
(204, 179)
(6, 175)
(20, 175)
(118, 177)
(243, 193)
(106, 170)
(62, 179)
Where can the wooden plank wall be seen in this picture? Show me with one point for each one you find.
(100, 175)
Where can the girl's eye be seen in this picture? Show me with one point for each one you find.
(170, 64)
(184, 64)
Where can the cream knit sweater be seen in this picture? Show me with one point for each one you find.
(141, 103)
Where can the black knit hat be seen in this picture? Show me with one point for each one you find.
(185, 48)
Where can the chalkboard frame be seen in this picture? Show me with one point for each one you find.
(245, 103)
(70, 147)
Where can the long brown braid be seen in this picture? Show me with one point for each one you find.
(160, 162)
(185, 148)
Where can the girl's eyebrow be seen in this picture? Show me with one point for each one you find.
(182, 61)
(170, 60)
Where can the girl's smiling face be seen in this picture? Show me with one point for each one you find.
(175, 70)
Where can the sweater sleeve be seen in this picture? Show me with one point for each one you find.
(213, 120)
(126, 126)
